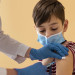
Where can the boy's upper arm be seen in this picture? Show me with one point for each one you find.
(65, 66)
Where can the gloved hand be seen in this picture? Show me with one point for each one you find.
(35, 69)
(52, 50)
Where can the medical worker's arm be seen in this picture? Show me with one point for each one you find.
(35, 69)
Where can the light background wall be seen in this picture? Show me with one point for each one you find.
(17, 22)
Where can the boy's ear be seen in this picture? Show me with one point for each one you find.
(65, 25)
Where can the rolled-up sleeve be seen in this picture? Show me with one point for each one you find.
(22, 49)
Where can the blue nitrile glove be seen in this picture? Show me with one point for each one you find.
(35, 69)
(52, 50)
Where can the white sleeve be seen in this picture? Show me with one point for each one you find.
(3, 71)
(12, 48)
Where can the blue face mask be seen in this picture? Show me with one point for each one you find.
(56, 38)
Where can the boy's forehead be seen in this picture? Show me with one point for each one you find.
(53, 20)
(49, 23)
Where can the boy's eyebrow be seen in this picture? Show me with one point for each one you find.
(53, 23)
(49, 24)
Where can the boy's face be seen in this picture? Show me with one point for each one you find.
(52, 27)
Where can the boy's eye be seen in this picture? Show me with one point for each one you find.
(42, 31)
(54, 29)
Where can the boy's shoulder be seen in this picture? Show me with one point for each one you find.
(71, 45)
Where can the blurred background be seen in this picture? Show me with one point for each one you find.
(17, 22)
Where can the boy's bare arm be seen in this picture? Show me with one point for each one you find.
(65, 66)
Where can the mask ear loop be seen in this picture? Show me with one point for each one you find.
(63, 41)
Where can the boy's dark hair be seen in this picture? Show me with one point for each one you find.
(44, 9)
